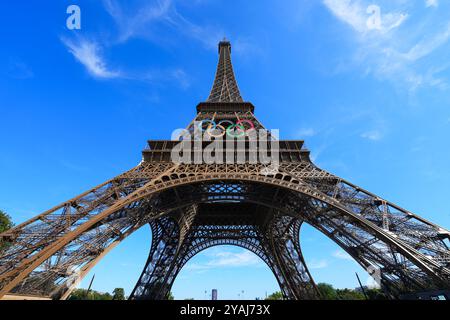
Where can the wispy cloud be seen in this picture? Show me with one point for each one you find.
(427, 46)
(88, 53)
(163, 75)
(74, 167)
(397, 40)
(136, 23)
(208, 35)
(318, 264)
(139, 20)
(231, 259)
(374, 135)
(357, 15)
(432, 3)
(227, 259)
(181, 77)
(340, 124)
(341, 254)
(156, 21)
(306, 132)
(18, 69)
(348, 12)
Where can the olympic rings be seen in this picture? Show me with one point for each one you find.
(211, 123)
(226, 121)
(252, 126)
(233, 130)
(208, 131)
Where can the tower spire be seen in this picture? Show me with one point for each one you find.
(225, 88)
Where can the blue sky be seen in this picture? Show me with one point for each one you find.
(365, 83)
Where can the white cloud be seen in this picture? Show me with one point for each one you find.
(340, 254)
(176, 75)
(374, 135)
(181, 77)
(134, 24)
(396, 50)
(306, 132)
(209, 36)
(88, 53)
(157, 21)
(349, 12)
(74, 167)
(360, 16)
(318, 264)
(19, 70)
(227, 259)
(431, 3)
(230, 259)
(247, 47)
(143, 21)
(427, 46)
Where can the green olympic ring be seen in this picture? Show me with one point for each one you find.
(230, 130)
(233, 127)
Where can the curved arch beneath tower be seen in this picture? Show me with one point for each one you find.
(217, 271)
(352, 231)
(279, 249)
(139, 294)
(347, 238)
(209, 268)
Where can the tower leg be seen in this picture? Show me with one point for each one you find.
(153, 283)
(289, 266)
(159, 273)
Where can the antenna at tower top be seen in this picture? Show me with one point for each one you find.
(225, 43)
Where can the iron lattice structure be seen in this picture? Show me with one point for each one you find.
(191, 207)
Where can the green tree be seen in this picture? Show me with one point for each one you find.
(102, 296)
(82, 294)
(170, 296)
(5, 224)
(349, 294)
(275, 296)
(375, 294)
(79, 294)
(118, 294)
(327, 292)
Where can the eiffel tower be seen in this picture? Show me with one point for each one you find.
(194, 206)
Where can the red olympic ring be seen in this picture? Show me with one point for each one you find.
(252, 126)
(230, 130)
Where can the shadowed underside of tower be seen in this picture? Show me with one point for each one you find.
(194, 206)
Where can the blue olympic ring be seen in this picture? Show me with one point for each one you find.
(230, 130)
